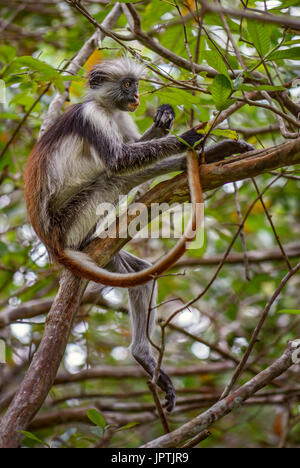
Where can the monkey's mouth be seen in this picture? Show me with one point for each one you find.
(134, 105)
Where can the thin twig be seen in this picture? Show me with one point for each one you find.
(242, 233)
(257, 330)
(273, 227)
(161, 413)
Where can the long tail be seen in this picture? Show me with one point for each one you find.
(82, 265)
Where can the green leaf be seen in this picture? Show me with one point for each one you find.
(291, 42)
(289, 311)
(293, 54)
(178, 97)
(88, 439)
(214, 19)
(260, 35)
(181, 140)
(128, 426)
(31, 436)
(6, 161)
(3, 249)
(96, 418)
(7, 53)
(23, 99)
(232, 134)
(238, 81)
(201, 113)
(269, 88)
(221, 89)
(154, 11)
(45, 71)
(9, 116)
(215, 61)
(249, 88)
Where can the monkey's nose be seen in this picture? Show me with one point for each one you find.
(134, 105)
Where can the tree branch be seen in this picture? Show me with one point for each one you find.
(125, 372)
(225, 406)
(45, 363)
(284, 21)
(254, 256)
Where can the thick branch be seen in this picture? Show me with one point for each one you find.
(45, 363)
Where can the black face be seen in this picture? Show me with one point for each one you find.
(122, 94)
(129, 94)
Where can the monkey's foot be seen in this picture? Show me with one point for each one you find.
(164, 116)
(165, 383)
(225, 148)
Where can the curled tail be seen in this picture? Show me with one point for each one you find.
(83, 265)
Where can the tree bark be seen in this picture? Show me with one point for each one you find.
(45, 363)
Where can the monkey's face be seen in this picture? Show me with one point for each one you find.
(120, 93)
(115, 84)
(128, 98)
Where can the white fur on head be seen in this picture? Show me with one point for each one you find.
(118, 68)
(104, 78)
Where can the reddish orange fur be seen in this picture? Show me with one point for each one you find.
(34, 181)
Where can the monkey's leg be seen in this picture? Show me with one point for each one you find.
(141, 299)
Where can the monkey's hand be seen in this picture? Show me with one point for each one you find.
(164, 117)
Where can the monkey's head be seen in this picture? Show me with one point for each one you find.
(114, 84)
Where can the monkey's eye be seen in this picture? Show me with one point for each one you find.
(95, 80)
(127, 84)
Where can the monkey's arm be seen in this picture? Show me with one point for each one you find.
(128, 158)
(214, 153)
(163, 122)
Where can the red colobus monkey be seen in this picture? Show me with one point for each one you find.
(92, 154)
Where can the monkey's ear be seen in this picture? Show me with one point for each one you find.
(95, 79)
